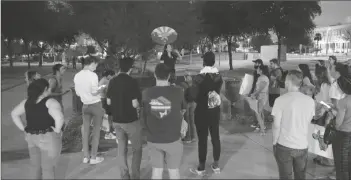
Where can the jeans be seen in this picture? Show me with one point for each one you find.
(189, 117)
(44, 151)
(133, 132)
(342, 155)
(92, 112)
(207, 121)
(292, 163)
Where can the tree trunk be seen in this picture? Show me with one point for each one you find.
(10, 50)
(26, 45)
(229, 42)
(279, 46)
(41, 59)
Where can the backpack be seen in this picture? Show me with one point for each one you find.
(214, 99)
(282, 80)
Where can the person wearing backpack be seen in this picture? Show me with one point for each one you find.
(207, 85)
(275, 81)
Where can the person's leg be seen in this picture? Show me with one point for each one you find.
(122, 140)
(191, 123)
(34, 156)
(156, 160)
(86, 131)
(187, 138)
(345, 148)
(50, 145)
(300, 158)
(284, 161)
(215, 139)
(260, 106)
(202, 133)
(98, 113)
(173, 157)
(134, 131)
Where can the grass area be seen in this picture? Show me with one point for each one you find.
(14, 76)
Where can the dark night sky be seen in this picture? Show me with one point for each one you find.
(334, 12)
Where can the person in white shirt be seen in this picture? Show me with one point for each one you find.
(86, 86)
(292, 114)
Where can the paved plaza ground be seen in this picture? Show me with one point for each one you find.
(245, 154)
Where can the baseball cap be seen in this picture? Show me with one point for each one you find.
(258, 61)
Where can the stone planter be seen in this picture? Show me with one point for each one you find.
(232, 88)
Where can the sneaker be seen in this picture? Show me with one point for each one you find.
(129, 142)
(86, 160)
(97, 160)
(215, 169)
(254, 125)
(110, 136)
(197, 172)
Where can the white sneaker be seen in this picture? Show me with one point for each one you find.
(128, 142)
(110, 136)
(97, 160)
(86, 160)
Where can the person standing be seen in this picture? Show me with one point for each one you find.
(169, 58)
(257, 63)
(123, 96)
(43, 130)
(86, 86)
(261, 95)
(207, 84)
(56, 83)
(292, 114)
(162, 112)
(74, 62)
(106, 77)
(275, 81)
(190, 110)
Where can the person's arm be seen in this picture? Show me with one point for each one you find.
(95, 85)
(109, 92)
(55, 112)
(341, 111)
(277, 116)
(16, 115)
(136, 94)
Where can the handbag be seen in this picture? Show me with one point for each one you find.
(321, 120)
(330, 132)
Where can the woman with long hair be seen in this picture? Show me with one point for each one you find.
(169, 57)
(261, 95)
(306, 73)
(30, 76)
(43, 130)
(323, 88)
(55, 83)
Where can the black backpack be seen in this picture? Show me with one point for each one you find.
(282, 80)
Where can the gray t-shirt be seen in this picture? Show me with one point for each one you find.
(161, 113)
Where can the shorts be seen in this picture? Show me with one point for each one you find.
(167, 153)
(106, 106)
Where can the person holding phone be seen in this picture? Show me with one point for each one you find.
(56, 83)
(86, 85)
(43, 130)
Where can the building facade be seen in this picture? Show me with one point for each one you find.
(335, 39)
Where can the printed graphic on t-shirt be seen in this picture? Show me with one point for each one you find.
(160, 107)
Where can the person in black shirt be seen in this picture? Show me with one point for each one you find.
(169, 58)
(258, 63)
(43, 130)
(123, 96)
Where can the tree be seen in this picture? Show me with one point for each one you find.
(317, 37)
(347, 37)
(231, 20)
(288, 19)
(259, 40)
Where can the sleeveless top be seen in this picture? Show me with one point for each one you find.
(39, 121)
(57, 89)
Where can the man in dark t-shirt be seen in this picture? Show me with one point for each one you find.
(163, 107)
(123, 95)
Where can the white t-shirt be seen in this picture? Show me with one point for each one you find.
(85, 83)
(293, 113)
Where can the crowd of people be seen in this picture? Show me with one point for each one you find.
(297, 101)
(166, 115)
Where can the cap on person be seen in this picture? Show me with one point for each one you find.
(258, 61)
